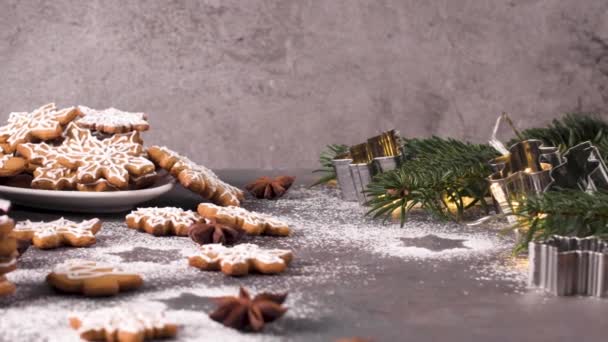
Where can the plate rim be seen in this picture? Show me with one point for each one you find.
(165, 183)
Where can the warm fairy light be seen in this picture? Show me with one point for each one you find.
(528, 170)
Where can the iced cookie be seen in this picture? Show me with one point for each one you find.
(112, 120)
(251, 222)
(6, 287)
(241, 259)
(196, 178)
(61, 232)
(123, 324)
(11, 165)
(163, 221)
(44, 123)
(114, 160)
(8, 250)
(92, 278)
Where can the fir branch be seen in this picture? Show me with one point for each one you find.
(570, 130)
(565, 212)
(435, 171)
(325, 159)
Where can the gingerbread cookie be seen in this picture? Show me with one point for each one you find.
(11, 165)
(112, 120)
(123, 324)
(8, 250)
(44, 123)
(61, 232)
(54, 177)
(92, 278)
(196, 178)
(114, 160)
(241, 259)
(251, 222)
(163, 221)
(6, 287)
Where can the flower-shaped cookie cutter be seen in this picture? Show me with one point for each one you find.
(568, 266)
(583, 169)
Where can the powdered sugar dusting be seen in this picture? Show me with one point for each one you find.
(332, 242)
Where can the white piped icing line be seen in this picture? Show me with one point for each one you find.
(5, 158)
(249, 217)
(91, 159)
(58, 227)
(136, 318)
(9, 263)
(200, 174)
(155, 216)
(112, 118)
(86, 269)
(22, 124)
(243, 253)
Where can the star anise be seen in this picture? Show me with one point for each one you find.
(270, 188)
(243, 313)
(213, 232)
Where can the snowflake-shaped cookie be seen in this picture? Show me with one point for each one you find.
(92, 278)
(135, 322)
(196, 178)
(241, 259)
(61, 232)
(11, 165)
(163, 221)
(44, 123)
(114, 159)
(251, 222)
(112, 120)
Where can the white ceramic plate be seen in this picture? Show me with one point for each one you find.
(83, 201)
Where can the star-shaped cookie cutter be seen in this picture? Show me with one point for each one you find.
(524, 170)
(583, 169)
(568, 266)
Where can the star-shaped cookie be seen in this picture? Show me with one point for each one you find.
(123, 324)
(241, 259)
(251, 222)
(196, 178)
(112, 120)
(115, 159)
(44, 123)
(163, 221)
(61, 232)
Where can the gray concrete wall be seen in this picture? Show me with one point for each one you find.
(266, 84)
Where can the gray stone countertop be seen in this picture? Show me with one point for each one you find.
(351, 276)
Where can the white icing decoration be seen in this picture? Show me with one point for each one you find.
(5, 158)
(250, 217)
(134, 319)
(111, 158)
(22, 124)
(57, 227)
(201, 174)
(162, 216)
(9, 263)
(111, 117)
(86, 269)
(243, 253)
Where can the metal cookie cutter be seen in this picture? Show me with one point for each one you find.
(583, 169)
(345, 178)
(360, 169)
(524, 170)
(567, 266)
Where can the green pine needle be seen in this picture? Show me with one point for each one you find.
(565, 212)
(433, 170)
(327, 167)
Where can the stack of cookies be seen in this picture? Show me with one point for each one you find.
(79, 148)
(8, 250)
